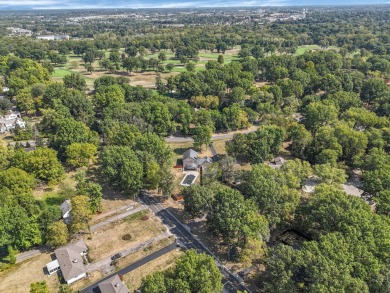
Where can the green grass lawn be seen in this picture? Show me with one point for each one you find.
(60, 72)
(302, 49)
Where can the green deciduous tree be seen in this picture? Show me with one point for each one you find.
(75, 81)
(43, 164)
(275, 201)
(318, 114)
(17, 180)
(329, 174)
(192, 273)
(17, 228)
(80, 214)
(80, 154)
(235, 219)
(122, 167)
(202, 136)
(197, 200)
(57, 234)
(91, 189)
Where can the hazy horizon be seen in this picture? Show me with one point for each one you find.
(91, 4)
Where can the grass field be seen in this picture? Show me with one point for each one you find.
(147, 78)
(19, 278)
(139, 230)
(302, 49)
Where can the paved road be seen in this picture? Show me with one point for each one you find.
(94, 287)
(118, 217)
(218, 136)
(232, 282)
(104, 264)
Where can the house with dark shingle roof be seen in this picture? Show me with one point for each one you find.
(113, 285)
(69, 259)
(190, 158)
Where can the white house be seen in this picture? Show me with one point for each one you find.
(10, 121)
(65, 209)
(70, 262)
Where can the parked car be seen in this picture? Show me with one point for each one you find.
(116, 256)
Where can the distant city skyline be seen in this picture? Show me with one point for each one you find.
(74, 4)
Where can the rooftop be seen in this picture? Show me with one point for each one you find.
(113, 285)
(70, 259)
(190, 153)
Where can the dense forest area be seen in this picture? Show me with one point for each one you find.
(326, 110)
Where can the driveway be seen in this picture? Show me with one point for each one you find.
(104, 264)
(31, 253)
(118, 217)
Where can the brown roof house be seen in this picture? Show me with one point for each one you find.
(70, 261)
(113, 285)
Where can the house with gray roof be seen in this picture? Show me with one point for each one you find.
(191, 160)
(69, 260)
(113, 285)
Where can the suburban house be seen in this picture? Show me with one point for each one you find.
(10, 121)
(65, 209)
(191, 161)
(70, 261)
(113, 284)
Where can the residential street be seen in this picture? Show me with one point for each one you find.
(186, 239)
(218, 136)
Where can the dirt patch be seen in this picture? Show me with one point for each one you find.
(140, 231)
(22, 275)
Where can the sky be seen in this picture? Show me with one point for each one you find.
(81, 4)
